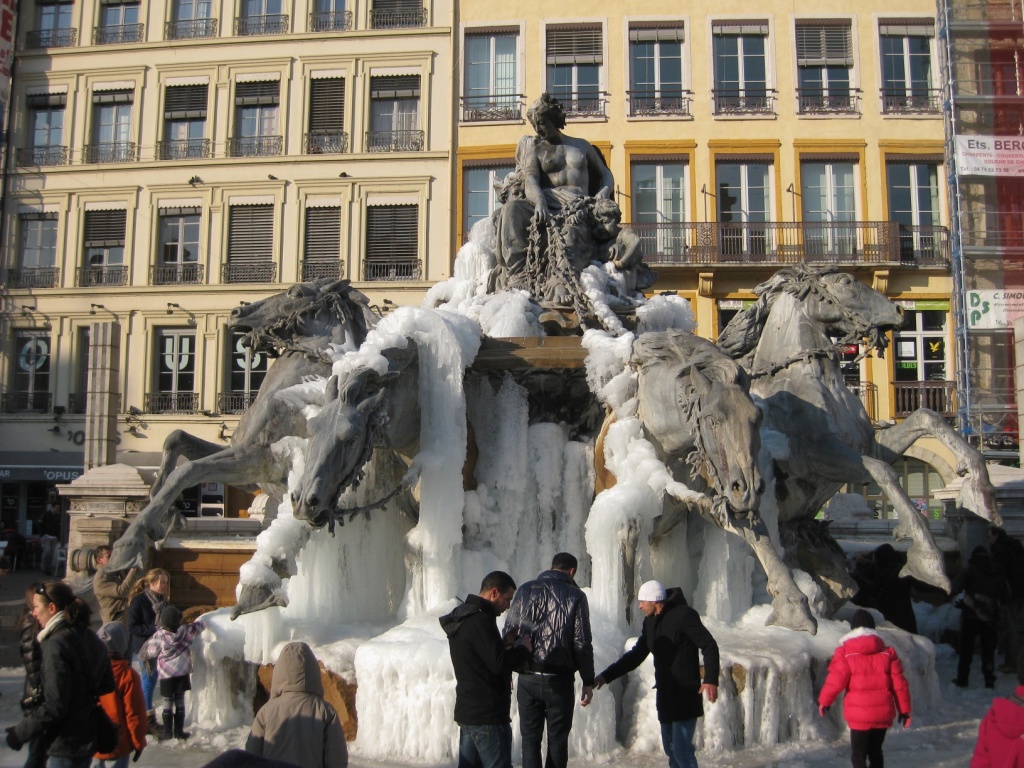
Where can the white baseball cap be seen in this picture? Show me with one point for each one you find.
(651, 592)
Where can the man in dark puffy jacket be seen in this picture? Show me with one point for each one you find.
(1008, 556)
(554, 612)
(674, 633)
(483, 665)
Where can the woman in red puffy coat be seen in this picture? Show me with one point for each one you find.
(871, 674)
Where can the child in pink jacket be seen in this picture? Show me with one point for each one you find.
(871, 674)
(171, 646)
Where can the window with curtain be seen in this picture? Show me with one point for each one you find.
(256, 120)
(739, 51)
(179, 246)
(828, 198)
(53, 26)
(395, 114)
(744, 205)
(491, 85)
(37, 240)
(659, 207)
(46, 130)
(112, 128)
(913, 189)
(656, 70)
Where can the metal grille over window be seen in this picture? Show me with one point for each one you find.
(392, 243)
(250, 245)
(326, 117)
(574, 45)
(322, 247)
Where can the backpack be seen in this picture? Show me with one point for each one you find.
(108, 733)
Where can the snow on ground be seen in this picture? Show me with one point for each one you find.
(944, 739)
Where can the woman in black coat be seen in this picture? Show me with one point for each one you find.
(150, 595)
(984, 588)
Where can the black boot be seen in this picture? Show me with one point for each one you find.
(179, 726)
(168, 727)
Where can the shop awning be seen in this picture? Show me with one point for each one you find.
(40, 466)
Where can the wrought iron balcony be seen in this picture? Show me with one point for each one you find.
(42, 156)
(89, 277)
(172, 402)
(119, 34)
(176, 274)
(116, 152)
(816, 101)
(394, 141)
(275, 24)
(193, 29)
(249, 272)
(52, 38)
(325, 143)
(868, 394)
(413, 17)
(584, 105)
(184, 149)
(33, 277)
(26, 402)
(924, 246)
(77, 402)
(490, 108)
(330, 21)
(939, 396)
(392, 269)
(255, 146)
(234, 402)
(659, 104)
(915, 101)
(314, 269)
(749, 101)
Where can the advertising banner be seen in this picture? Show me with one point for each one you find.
(994, 308)
(8, 17)
(990, 155)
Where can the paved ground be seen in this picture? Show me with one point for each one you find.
(12, 599)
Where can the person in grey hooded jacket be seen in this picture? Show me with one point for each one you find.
(297, 725)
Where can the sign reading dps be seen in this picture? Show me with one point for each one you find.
(994, 309)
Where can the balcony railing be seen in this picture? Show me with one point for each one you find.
(394, 141)
(314, 269)
(275, 24)
(172, 402)
(77, 402)
(868, 394)
(413, 17)
(234, 402)
(330, 21)
(119, 34)
(176, 274)
(52, 38)
(847, 242)
(42, 156)
(255, 146)
(751, 101)
(33, 277)
(815, 101)
(184, 149)
(193, 29)
(939, 396)
(654, 104)
(583, 105)
(249, 272)
(916, 101)
(25, 402)
(89, 277)
(491, 108)
(392, 269)
(117, 152)
(325, 143)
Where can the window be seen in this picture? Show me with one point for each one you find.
(914, 205)
(247, 369)
(480, 184)
(184, 123)
(78, 398)
(37, 251)
(53, 26)
(574, 58)
(391, 14)
(30, 385)
(103, 261)
(656, 71)
(744, 198)
(326, 117)
(46, 130)
(119, 23)
(921, 378)
(111, 128)
(395, 114)
(179, 247)
(659, 208)
(256, 110)
(330, 16)
(907, 82)
(741, 70)
(918, 479)
(175, 373)
(322, 244)
(192, 20)
(828, 196)
(392, 243)
(824, 59)
(491, 77)
(250, 245)
(261, 17)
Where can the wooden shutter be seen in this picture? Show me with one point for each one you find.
(574, 45)
(327, 104)
(820, 44)
(395, 87)
(185, 101)
(262, 92)
(323, 234)
(251, 234)
(105, 228)
(392, 232)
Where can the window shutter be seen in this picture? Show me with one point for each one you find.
(397, 6)
(739, 28)
(327, 104)
(38, 100)
(668, 32)
(323, 234)
(251, 234)
(185, 101)
(37, 216)
(392, 232)
(907, 28)
(574, 45)
(261, 92)
(189, 211)
(105, 228)
(824, 45)
(112, 97)
(395, 87)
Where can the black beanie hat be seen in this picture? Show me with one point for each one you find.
(170, 618)
(862, 620)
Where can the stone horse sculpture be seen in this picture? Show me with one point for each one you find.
(695, 406)
(297, 326)
(786, 343)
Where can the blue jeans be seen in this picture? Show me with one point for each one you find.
(117, 762)
(68, 762)
(485, 746)
(549, 699)
(148, 681)
(677, 739)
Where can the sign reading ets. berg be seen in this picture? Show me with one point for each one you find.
(990, 155)
(993, 309)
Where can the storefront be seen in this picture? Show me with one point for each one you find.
(28, 482)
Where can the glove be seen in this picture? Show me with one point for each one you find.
(822, 710)
(137, 755)
(905, 719)
(13, 741)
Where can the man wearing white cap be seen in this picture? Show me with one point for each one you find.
(673, 632)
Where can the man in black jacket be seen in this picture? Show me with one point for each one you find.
(673, 632)
(554, 612)
(483, 673)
